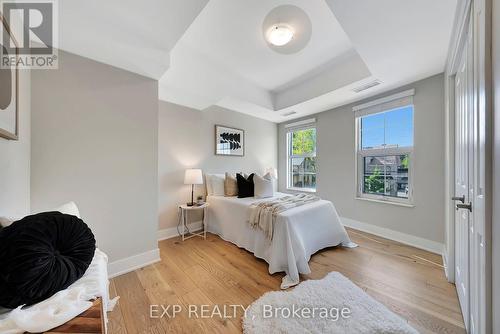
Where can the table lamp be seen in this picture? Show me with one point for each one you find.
(192, 177)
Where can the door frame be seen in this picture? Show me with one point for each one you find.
(467, 11)
(457, 43)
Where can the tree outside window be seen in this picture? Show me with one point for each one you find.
(302, 159)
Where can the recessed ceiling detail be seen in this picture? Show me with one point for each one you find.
(215, 64)
(291, 28)
(216, 52)
(333, 54)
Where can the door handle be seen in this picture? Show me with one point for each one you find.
(461, 198)
(465, 206)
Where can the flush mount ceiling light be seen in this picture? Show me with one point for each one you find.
(286, 29)
(280, 34)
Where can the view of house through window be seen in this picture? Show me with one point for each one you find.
(385, 154)
(386, 175)
(302, 159)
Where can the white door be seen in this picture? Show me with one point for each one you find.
(464, 102)
(472, 170)
(480, 232)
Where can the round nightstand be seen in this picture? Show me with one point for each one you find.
(182, 226)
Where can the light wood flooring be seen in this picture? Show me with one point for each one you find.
(407, 280)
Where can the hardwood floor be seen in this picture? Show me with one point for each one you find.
(407, 280)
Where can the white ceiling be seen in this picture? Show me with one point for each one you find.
(230, 32)
(134, 35)
(213, 52)
(399, 40)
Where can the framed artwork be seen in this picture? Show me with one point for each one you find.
(229, 141)
(9, 91)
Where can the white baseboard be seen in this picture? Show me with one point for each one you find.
(411, 240)
(132, 263)
(171, 232)
(138, 261)
(445, 264)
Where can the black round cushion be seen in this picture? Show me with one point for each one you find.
(42, 254)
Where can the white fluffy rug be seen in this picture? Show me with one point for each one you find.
(330, 305)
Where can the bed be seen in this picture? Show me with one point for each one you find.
(298, 233)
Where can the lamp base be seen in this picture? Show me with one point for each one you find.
(192, 196)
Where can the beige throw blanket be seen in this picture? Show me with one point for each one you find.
(263, 214)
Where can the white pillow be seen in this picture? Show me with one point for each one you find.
(208, 179)
(217, 185)
(263, 186)
(208, 182)
(69, 208)
(6, 221)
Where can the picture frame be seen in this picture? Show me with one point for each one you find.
(229, 141)
(9, 98)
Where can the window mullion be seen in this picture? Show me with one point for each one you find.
(385, 178)
(386, 151)
(385, 130)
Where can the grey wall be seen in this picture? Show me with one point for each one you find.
(186, 140)
(15, 158)
(337, 175)
(94, 141)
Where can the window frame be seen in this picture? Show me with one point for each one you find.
(380, 152)
(290, 156)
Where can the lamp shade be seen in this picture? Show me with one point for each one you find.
(193, 176)
(273, 171)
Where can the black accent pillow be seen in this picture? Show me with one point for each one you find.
(245, 186)
(41, 255)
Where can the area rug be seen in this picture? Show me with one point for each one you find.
(331, 305)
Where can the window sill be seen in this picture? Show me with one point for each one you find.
(406, 205)
(304, 190)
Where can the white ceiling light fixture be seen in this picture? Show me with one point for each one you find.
(286, 29)
(280, 34)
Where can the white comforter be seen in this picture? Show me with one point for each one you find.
(64, 305)
(299, 233)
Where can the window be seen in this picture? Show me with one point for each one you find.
(385, 151)
(302, 159)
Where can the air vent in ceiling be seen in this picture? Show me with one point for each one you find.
(290, 113)
(366, 86)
